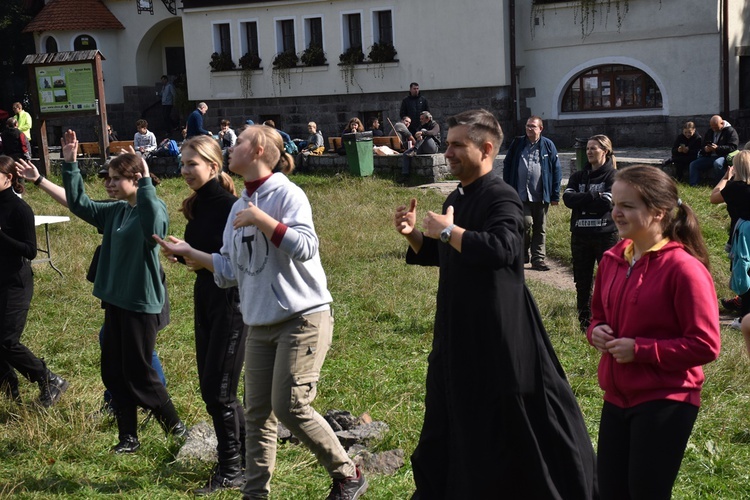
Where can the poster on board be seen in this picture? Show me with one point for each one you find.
(66, 87)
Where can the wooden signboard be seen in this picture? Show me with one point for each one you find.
(67, 84)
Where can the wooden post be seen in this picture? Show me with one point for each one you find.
(39, 130)
(102, 108)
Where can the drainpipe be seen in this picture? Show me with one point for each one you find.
(725, 57)
(513, 69)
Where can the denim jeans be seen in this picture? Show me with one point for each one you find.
(703, 163)
(282, 367)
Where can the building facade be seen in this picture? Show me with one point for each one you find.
(633, 69)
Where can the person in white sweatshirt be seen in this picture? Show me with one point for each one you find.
(270, 251)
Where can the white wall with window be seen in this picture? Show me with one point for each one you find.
(222, 37)
(285, 36)
(435, 60)
(249, 43)
(313, 31)
(351, 30)
(382, 26)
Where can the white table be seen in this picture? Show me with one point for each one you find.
(46, 220)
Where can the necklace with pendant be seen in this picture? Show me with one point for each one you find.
(127, 216)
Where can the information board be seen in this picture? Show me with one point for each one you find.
(66, 87)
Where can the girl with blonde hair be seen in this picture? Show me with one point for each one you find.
(219, 331)
(270, 251)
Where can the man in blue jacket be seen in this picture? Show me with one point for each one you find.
(532, 167)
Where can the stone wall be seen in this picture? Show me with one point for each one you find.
(424, 168)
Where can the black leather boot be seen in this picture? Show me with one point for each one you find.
(227, 475)
(169, 420)
(51, 388)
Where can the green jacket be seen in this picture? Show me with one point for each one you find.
(127, 275)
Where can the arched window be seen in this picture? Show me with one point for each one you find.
(611, 87)
(50, 45)
(84, 42)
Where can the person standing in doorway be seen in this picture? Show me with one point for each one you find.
(167, 102)
(533, 168)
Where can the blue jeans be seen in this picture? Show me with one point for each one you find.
(155, 363)
(703, 163)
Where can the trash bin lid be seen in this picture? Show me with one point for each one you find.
(357, 136)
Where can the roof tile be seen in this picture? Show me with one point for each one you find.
(70, 15)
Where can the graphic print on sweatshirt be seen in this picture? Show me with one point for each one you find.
(251, 247)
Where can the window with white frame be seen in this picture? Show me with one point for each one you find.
(285, 41)
(249, 38)
(352, 29)
(313, 32)
(382, 29)
(222, 39)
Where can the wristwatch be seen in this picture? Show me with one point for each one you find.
(445, 234)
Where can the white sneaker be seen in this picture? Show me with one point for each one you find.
(736, 323)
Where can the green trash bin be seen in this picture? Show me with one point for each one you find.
(580, 147)
(358, 148)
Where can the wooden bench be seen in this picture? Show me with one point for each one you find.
(392, 141)
(88, 148)
(116, 146)
(92, 148)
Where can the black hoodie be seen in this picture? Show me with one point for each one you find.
(589, 195)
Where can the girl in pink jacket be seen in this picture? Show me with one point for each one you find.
(655, 320)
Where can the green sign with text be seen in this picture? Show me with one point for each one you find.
(64, 88)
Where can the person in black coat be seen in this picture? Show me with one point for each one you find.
(685, 149)
(720, 140)
(17, 249)
(412, 106)
(490, 352)
(220, 332)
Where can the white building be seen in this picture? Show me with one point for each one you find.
(665, 62)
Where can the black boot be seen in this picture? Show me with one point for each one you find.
(128, 444)
(127, 425)
(51, 387)
(227, 475)
(169, 421)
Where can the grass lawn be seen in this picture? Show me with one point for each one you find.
(384, 314)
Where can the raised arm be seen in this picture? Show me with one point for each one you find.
(28, 171)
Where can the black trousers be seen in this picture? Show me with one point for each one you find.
(641, 448)
(16, 291)
(128, 340)
(587, 250)
(220, 335)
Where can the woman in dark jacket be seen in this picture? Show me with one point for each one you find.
(17, 249)
(219, 330)
(589, 195)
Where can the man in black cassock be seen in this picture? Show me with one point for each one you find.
(501, 420)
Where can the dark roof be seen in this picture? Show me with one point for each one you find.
(70, 15)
